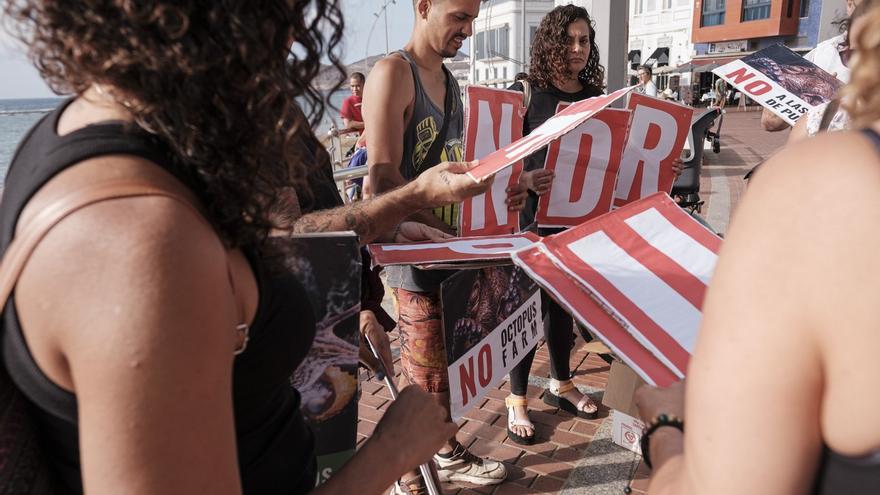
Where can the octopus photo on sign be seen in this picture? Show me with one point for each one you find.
(327, 378)
(796, 74)
(492, 295)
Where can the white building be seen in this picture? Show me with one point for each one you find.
(497, 51)
(660, 36)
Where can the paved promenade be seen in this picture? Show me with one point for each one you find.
(572, 455)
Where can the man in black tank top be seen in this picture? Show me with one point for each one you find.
(413, 112)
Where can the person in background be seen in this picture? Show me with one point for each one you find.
(720, 88)
(352, 118)
(413, 111)
(521, 76)
(831, 55)
(646, 81)
(809, 357)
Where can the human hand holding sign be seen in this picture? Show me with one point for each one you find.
(538, 180)
(448, 183)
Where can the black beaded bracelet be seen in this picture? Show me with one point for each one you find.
(660, 420)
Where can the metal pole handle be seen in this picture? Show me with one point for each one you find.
(429, 474)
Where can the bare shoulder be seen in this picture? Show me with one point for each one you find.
(140, 253)
(845, 163)
(392, 72)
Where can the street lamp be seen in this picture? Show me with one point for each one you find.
(384, 11)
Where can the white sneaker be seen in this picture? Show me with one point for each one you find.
(460, 465)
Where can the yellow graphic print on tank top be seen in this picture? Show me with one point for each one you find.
(426, 132)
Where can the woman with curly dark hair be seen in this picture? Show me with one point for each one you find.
(565, 67)
(150, 339)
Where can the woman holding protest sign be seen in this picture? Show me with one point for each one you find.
(565, 68)
(787, 411)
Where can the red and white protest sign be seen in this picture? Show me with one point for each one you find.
(587, 311)
(648, 265)
(493, 120)
(541, 136)
(781, 81)
(658, 130)
(454, 250)
(586, 162)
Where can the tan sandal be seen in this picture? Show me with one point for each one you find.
(585, 408)
(512, 401)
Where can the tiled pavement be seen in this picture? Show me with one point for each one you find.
(573, 455)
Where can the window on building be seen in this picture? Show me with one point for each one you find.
(713, 13)
(533, 30)
(487, 73)
(667, 4)
(492, 43)
(504, 72)
(805, 8)
(495, 72)
(684, 3)
(650, 5)
(754, 10)
(640, 6)
(476, 76)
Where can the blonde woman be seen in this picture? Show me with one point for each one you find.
(780, 392)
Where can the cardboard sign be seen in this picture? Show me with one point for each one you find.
(541, 136)
(658, 130)
(647, 265)
(586, 309)
(329, 267)
(491, 321)
(494, 119)
(586, 162)
(467, 249)
(781, 81)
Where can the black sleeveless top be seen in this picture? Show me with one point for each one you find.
(840, 474)
(275, 447)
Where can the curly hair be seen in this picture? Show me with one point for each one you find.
(551, 44)
(860, 97)
(218, 82)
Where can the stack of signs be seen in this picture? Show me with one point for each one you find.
(781, 81)
(457, 253)
(491, 321)
(635, 278)
(329, 268)
(553, 128)
(602, 158)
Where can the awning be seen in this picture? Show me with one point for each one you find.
(704, 64)
(659, 57)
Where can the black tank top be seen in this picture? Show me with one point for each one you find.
(275, 447)
(840, 474)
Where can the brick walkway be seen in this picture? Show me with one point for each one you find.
(572, 455)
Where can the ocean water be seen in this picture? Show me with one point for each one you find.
(18, 116)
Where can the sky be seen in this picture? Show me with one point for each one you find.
(18, 78)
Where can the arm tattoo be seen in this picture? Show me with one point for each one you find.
(352, 217)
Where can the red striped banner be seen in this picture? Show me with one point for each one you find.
(648, 265)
